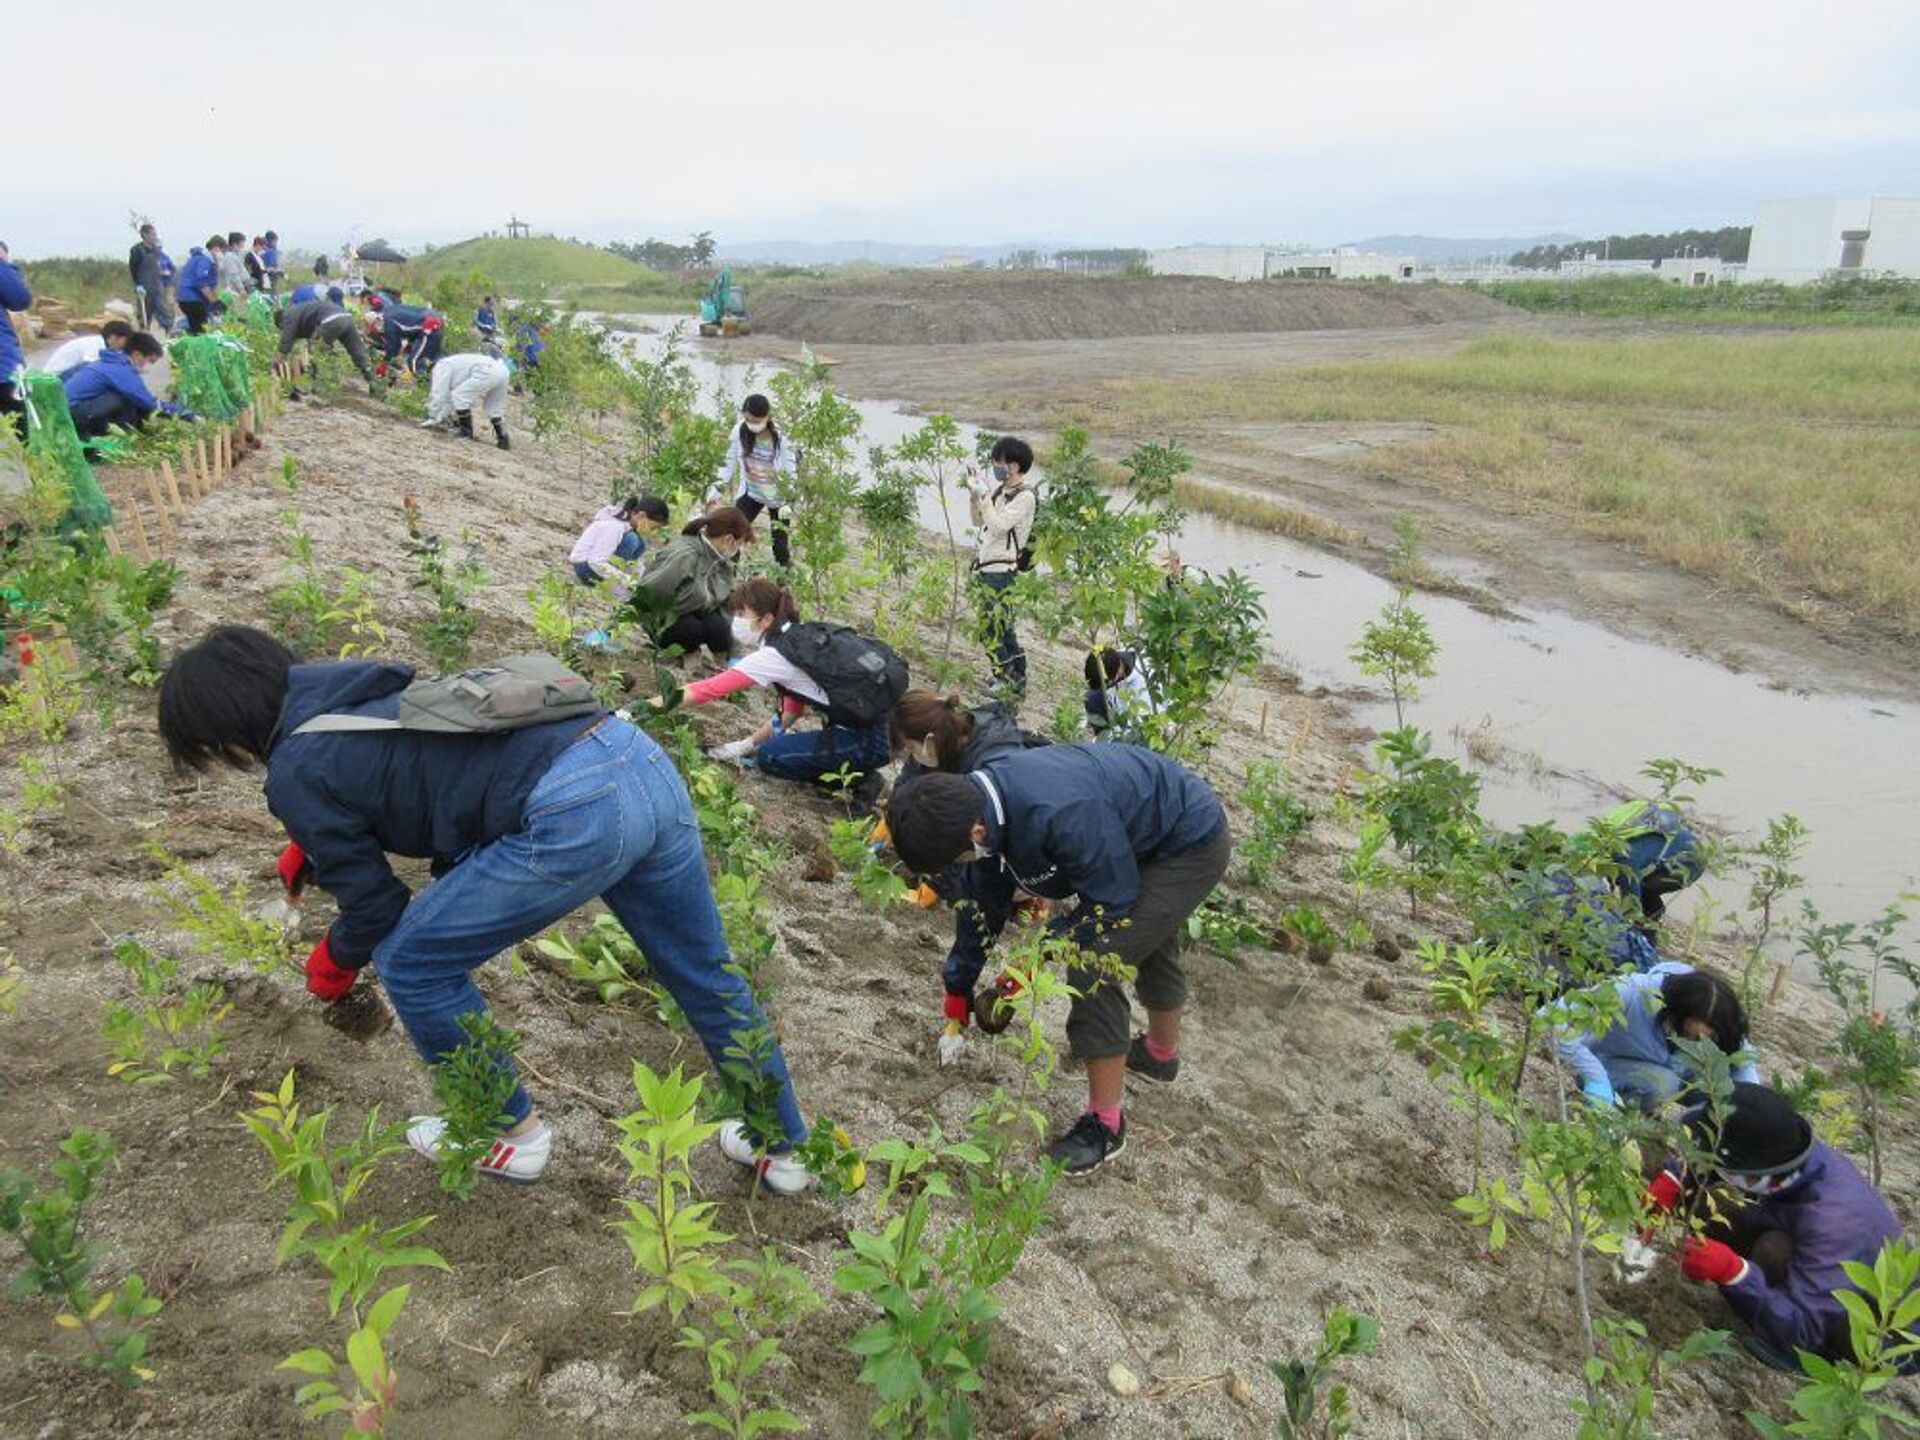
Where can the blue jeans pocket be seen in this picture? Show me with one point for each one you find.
(576, 833)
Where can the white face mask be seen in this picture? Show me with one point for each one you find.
(744, 635)
(981, 852)
(925, 753)
(758, 427)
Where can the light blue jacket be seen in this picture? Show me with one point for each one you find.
(1638, 1036)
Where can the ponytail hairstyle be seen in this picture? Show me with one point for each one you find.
(721, 521)
(922, 713)
(1703, 995)
(760, 408)
(763, 597)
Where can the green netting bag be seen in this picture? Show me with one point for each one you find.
(50, 434)
(210, 375)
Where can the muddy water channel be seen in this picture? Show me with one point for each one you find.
(1560, 712)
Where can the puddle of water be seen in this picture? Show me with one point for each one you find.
(1579, 707)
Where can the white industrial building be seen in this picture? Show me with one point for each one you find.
(1222, 262)
(1260, 262)
(1795, 241)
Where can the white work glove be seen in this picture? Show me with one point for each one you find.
(733, 750)
(1635, 1261)
(953, 1047)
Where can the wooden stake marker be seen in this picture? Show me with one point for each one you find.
(173, 486)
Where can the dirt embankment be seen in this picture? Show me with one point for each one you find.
(1299, 1161)
(970, 309)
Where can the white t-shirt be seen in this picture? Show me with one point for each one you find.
(767, 666)
(81, 350)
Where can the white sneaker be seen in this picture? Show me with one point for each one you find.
(781, 1174)
(522, 1159)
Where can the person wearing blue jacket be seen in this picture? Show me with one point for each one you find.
(522, 828)
(1136, 839)
(1660, 857)
(14, 295)
(1791, 1212)
(1634, 1060)
(112, 391)
(485, 322)
(199, 286)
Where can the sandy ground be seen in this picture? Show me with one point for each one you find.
(1516, 557)
(1298, 1162)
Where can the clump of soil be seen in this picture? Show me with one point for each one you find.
(923, 309)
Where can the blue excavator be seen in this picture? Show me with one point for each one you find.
(723, 309)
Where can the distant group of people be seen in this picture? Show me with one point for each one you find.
(225, 263)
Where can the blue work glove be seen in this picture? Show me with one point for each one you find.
(1599, 1091)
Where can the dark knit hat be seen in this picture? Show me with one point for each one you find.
(1763, 1133)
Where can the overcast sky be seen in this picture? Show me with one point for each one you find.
(940, 121)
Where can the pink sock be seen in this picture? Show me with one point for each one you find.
(1160, 1052)
(1109, 1116)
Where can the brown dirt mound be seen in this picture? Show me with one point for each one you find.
(965, 309)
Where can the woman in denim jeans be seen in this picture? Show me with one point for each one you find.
(522, 826)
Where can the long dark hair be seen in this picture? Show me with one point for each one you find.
(920, 713)
(722, 520)
(1703, 995)
(760, 408)
(763, 597)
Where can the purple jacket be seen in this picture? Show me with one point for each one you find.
(1831, 1215)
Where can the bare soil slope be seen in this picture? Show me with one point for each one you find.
(1299, 1161)
(934, 309)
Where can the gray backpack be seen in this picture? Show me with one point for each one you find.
(510, 694)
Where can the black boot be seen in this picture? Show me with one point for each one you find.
(463, 424)
(500, 434)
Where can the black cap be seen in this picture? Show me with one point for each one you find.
(1763, 1133)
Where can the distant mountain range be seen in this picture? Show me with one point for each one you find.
(883, 252)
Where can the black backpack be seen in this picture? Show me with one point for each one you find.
(862, 677)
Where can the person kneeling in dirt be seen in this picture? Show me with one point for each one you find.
(616, 532)
(1662, 856)
(523, 826)
(459, 383)
(851, 679)
(112, 391)
(1118, 692)
(1634, 1061)
(325, 322)
(1140, 842)
(1791, 1212)
(684, 592)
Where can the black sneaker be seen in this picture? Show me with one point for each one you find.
(1141, 1063)
(1088, 1145)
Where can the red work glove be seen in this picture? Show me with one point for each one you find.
(295, 869)
(1711, 1260)
(958, 1008)
(325, 980)
(1664, 1193)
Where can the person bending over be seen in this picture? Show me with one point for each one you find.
(795, 658)
(459, 383)
(1118, 693)
(85, 349)
(113, 389)
(523, 827)
(325, 322)
(616, 532)
(200, 283)
(1634, 1061)
(684, 591)
(1136, 839)
(1792, 1211)
(758, 465)
(1662, 856)
(14, 295)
